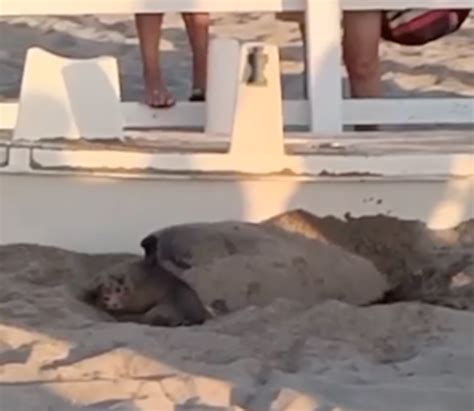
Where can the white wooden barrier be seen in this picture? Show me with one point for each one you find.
(73, 112)
(325, 112)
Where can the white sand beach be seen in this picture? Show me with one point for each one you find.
(319, 335)
(442, 68)
(402, 344)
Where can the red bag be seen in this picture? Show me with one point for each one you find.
(415, 27)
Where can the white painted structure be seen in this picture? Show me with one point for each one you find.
(104, 196)
(94, 213)
(326, 112)
(60, 104)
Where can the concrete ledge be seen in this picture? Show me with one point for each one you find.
(90, 213)
(416, 155)
(295, 113)
(426, 176)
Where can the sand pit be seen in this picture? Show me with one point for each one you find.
(339, 352)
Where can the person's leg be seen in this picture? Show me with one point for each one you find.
(197, 27)
(361, 52)
(362, 34)
(149, 33)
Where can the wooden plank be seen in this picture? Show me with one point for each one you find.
(183, 114)
(323, 39)
(296, 113)
(78, 7)
(362, 164)
(403, 4)
(297, 143)
(409, 111)
(60, 7)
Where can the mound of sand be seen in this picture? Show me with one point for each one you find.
(419, 264)
(59, 354)
(250, 264)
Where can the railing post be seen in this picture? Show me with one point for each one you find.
(323, 57)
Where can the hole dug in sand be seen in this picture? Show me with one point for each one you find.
(306, 324)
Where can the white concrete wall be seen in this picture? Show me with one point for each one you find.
(92, 214)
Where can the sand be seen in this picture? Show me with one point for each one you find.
(398, 338)
(338, 352)
(442, 69)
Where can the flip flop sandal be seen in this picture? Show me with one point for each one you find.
(198, 94)
(161, 100)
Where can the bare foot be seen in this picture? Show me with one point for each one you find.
(149, 31)
(156, 92)
(159, 98)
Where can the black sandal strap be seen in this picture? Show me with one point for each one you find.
(198, 94)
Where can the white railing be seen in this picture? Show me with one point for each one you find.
(325, 112)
